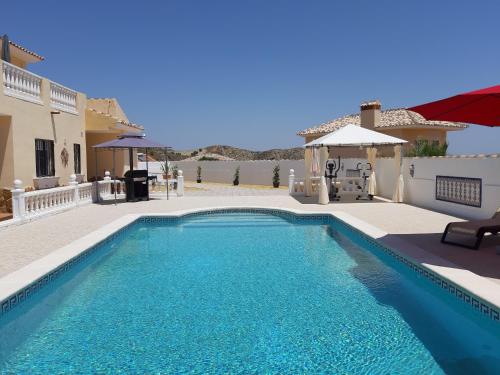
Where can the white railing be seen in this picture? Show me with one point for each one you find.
(85, 192)
(295, 185)
(28, 205)
(106, 186)
(63, 98)
(159, 188)
(49, 200)
(21, 84)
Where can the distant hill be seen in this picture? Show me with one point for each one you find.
(229, 152)
(296, 153)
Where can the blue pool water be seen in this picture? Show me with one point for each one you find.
(244, 292)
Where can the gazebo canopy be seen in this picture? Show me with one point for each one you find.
(130, 140)
(354, 136)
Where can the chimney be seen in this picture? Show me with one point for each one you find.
(370, 114)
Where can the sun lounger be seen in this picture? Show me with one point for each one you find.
(474, 228)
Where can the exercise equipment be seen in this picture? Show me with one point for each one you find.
(331, 173)
(364, 172)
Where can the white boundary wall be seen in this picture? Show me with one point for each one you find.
(420, 189)
(259, 172)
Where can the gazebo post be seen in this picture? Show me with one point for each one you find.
(398, 194)
(323, 197)
(307, 174)
(371, 155)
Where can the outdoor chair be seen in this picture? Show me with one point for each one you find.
(473, 228)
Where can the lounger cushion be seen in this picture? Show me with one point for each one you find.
(472, 227)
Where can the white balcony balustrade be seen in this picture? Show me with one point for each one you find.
(63, 98)
(21, 84)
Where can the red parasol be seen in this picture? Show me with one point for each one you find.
(480, 107)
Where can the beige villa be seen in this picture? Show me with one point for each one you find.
(42, 125)
(399, 123)
(105, 120)
(47, 130)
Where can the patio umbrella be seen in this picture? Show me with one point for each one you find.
(5, 48)
(480, 107)
(129, 141)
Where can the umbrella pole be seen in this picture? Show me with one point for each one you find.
(147, 172)
(167, 169)
(96, 179)
(114, 174)
(131, 158)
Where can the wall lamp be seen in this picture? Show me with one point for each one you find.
(412, 170)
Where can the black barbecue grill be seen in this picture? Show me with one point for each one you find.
(136, 185)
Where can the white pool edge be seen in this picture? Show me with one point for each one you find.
(479, 287)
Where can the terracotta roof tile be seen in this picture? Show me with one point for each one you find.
(26, 50)
(137, 126)
(390, 118)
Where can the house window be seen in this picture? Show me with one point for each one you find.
(77, 158)
(44, 154)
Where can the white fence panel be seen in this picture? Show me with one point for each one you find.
(259, 172)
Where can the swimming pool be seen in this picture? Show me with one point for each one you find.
(244, 292)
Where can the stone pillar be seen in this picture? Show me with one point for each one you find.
(291, 182)
(18, 206)
(74, 183)
(180, 183)
(107, 186)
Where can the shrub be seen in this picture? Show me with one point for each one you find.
(198, 174)
(426, 148)
(236, 179)
(276, 176)
(207, 158)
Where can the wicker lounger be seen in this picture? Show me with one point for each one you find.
(475, 228)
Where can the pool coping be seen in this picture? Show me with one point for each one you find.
(446, 274)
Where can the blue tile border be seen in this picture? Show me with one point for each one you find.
(27, 292)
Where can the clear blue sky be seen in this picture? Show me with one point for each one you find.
(253, 73)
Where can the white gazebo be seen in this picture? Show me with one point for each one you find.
(352, 136)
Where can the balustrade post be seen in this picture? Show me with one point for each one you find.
(76, 193)
(18, 206)
(291, 182)
(180, 183)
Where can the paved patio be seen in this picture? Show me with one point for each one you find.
(193, 189)
(23, 244)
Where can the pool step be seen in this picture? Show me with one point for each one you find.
(235, 221)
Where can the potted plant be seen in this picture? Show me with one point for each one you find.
(276, 176)
(198, 174)
(236, 179)
(175, 174)
(165, 168)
